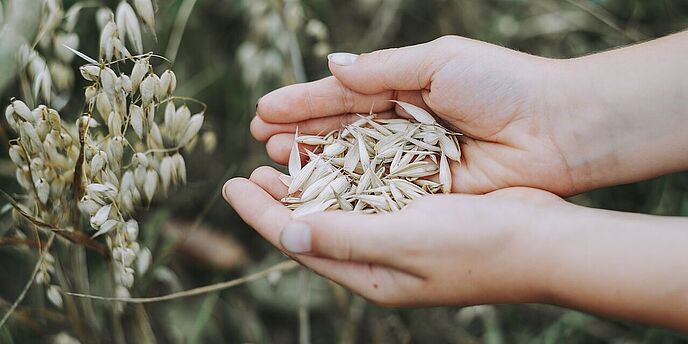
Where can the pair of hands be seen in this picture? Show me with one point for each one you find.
(530, 124)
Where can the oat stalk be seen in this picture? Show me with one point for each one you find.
(279, 267)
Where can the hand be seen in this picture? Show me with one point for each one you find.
(440, 250)
(514, 245)
(565, 126)
(497, 97)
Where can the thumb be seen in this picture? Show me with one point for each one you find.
(342, 236)
(409, 68)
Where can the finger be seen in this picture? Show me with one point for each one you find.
(262, 130)
(321, 98)
(407, 68)
(268, 179)
(257, 208)
(279, 146)
(347, 236)
(373, 282)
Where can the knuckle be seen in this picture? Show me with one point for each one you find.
(328, 242)
(446, 41)
(347, 99)
(380, 56)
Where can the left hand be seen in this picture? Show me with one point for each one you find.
(440, 250)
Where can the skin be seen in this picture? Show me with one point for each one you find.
(531, 124)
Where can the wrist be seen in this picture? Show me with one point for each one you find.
(543, 239)
(582, 124)
(527, 263)
(617, 118)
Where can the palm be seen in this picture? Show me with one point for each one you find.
(497, 105)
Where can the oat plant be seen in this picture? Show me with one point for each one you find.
(85, 175)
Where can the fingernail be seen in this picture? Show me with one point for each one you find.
(225, 189)
(296, 237)
(342, 59)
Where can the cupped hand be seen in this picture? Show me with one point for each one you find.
(439, 250)
(499, 98)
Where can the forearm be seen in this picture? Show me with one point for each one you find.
(624, 113)
(623, 265)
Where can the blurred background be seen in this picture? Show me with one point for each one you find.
(227, 54)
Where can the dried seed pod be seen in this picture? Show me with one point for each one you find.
(155, 137)
(313, 140)
(192, 129)
(90, 72)
(17, 155)
(151, 184)
(128, 24)
(88, 205)
(138, 73)
(294, 156)
(114, 124)
(9, 116)
(54, 295)
(108, 37)
(417, 113)
(107, 226)
(168, 82)
(159, 93)
(301, 176)
(98, 162)
(42, 190)
(101, 216)
(90, 93)
(136, 119)
(103, 106)
(28, 132)
(445, 174)
(145, 10)
(450, 148)
(166, 168)
(139, 159)
(132, 230)
(351, 158)
(336, 187)
(180, 167)
(334, 149)
(23, 111)
(168, 116)
(125, 81)
(314, 206)
(147, 89)
(313, 190)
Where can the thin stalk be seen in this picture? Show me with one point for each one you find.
(29, 283)
(178, 29)
(283, 266)
(304, 298)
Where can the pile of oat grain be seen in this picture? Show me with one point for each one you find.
(372, 165)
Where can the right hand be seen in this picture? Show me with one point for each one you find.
(496, 96)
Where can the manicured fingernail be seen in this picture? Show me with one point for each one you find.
(342, 59)
(296, 237)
